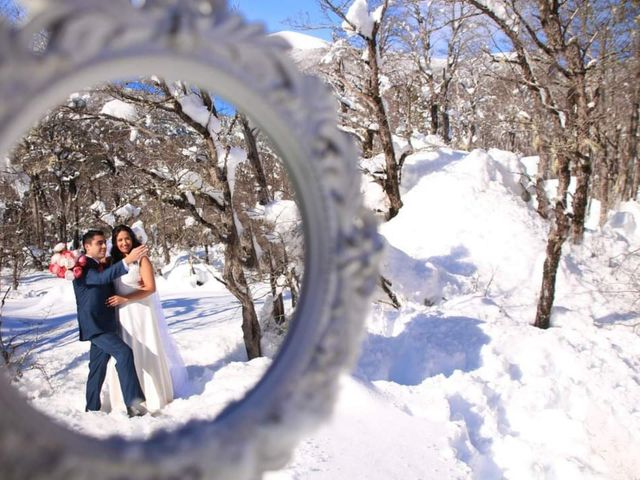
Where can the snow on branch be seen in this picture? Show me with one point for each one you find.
(359, 21)
(121, 110)
(500, 10)
(194, 107)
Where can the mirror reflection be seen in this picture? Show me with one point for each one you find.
(151, 257)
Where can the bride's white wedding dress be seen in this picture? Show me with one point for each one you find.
(159, 366)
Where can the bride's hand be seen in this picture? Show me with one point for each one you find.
(136, 254)
(116, 301)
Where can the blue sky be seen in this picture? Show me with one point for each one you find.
(275, 13)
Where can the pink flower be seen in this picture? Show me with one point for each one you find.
(77, 272)
(68, 264)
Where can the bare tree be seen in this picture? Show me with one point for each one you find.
(369, 91)
(554, 47)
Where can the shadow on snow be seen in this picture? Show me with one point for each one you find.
(428, 346)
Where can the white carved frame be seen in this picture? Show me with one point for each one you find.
(200, 41)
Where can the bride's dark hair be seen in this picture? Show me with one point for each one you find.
(116, 254)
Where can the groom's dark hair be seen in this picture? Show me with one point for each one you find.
(88, 237)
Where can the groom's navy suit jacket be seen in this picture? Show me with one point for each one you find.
(92, 290)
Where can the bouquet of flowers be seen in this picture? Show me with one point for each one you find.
(67, 264)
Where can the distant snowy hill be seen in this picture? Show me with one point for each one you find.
(306, 50)
(301, 41)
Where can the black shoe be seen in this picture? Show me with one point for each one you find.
(136, 410)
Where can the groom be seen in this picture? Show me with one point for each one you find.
(98, 323)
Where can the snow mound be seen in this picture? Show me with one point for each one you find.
(464, 227)
(625, 221)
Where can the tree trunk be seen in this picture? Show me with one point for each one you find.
(472, 136)
(604, 187)
(543, 175)
(62, 213)
(581, 200)
(166, 254)
(583, 153)
(253, 155)
(73, 196)
(367, 143)
(35, 211)
(293, 287)
(435, 115)
(632, 149)
(233, 272)
(15, 274)
(446, 126)
(557, 237)
(292, 279)
(391, 183)
(278, 301)
(236, 281)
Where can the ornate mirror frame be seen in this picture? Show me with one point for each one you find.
(93, 41)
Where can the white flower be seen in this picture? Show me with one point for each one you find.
(56, 258)
(59, 247)
(68, 275)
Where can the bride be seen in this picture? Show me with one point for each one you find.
(159, 367)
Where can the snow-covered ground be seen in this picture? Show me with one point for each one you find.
(455, 384)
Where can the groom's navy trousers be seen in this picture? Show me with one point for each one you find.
(98, 325)
(102, 348)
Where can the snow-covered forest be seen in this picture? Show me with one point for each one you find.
(498, 145)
